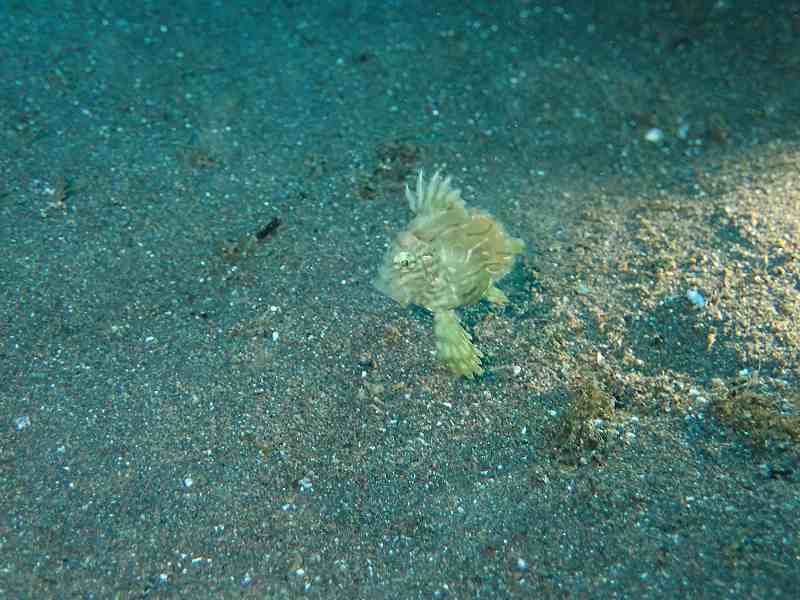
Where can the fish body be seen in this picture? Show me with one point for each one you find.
(448, 256)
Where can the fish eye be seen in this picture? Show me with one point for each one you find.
(402, 259)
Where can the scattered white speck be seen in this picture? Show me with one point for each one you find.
(654, 135)
(696, 298)
(22, 422)
(516, 370)
(305, 484)
(275, 336)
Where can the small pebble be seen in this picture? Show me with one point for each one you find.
(696, 298)
(654, 135)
